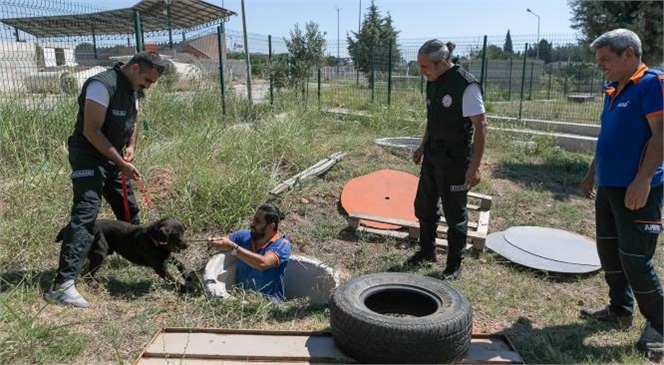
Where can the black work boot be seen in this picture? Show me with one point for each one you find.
(651, 343)
(452, 270)
(420, 258)
(607, 315)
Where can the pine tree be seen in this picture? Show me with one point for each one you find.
(644, 18)
(369, 49)
(507, 47)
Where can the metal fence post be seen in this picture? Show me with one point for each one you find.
(94, 41)
(486, 75)
(220, 37)
(319, 86)
(530, 88)
(483, 65)
(269, 58)
(138, 31)
(373, 76)
(170, 25)
(389, 76)
(523, 80)
(247, 60)
(421, 84)
(548, 88)
(509, 84)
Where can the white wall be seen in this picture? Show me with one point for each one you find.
(20, 63)
(16, 60)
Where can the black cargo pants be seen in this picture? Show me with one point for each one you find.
(443, 177)
(91, 179)
(626, 244)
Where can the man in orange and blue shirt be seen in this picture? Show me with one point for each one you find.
(262, 253)
(629, 175)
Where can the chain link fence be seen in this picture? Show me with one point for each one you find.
(41, 61)
(558, 81)
(550, 78)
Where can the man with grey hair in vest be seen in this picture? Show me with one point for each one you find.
(626, 178)
(101, 148)
(450, 154)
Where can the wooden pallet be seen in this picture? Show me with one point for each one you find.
(478, 204)
(207, 346)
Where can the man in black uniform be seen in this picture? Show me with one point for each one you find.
(450, 153)
(100, 149)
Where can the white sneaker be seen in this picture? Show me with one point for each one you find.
(66, 294)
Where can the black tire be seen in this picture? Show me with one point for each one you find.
(365, 326)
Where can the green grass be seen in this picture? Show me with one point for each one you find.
(210, 170)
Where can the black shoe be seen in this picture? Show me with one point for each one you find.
(606, 315)
(651, 342)
(420, 258)
(452, 272)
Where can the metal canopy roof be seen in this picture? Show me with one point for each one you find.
(185, 14)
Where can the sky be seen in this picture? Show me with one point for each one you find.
(414, 19)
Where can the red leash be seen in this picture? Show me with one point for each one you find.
(125, 198)
(153, 212)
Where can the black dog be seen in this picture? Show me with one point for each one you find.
(149, 245)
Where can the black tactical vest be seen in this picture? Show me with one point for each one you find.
(447, 128)
(120, 116)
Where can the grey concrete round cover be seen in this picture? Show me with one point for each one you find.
(404, 146)
(546, 249)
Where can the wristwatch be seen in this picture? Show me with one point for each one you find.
(234, 250)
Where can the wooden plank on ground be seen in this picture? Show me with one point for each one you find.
(357, 216)
(485, 200)
(440, 242)
(381, 219)
(317, 169)
(203, 346)
(477, 230)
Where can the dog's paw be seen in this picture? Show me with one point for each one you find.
(193, 281)
(182, 289)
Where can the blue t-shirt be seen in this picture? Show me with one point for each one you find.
(270, 282)
(625, 131)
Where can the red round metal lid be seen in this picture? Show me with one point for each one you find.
(385, 193)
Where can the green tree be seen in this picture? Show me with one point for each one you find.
(492, 52)
(507, 47)
(278, 71)
(369, 49)
(570, 52)
(306, 51)
(593, 18)
(413, 68)
(545, 51)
